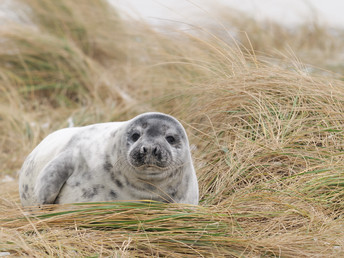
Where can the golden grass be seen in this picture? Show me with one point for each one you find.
(266, 136)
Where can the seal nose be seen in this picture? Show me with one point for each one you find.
(152, 150)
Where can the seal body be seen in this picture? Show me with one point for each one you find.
(145, 158)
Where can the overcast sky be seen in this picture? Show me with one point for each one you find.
(288, 12)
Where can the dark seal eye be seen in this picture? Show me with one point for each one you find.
(135, 136)
(170, 139)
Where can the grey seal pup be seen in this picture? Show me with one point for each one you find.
(145, 158)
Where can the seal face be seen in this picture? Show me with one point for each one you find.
(147, 157)
(155, 145)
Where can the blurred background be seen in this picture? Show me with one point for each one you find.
(311, 30)
(286, 12)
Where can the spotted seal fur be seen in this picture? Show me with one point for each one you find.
(145, 158)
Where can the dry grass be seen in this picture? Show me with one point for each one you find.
(311, 42)
(267, 136)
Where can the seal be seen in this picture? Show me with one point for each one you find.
(145, 158)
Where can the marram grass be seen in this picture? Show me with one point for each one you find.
(180, 230)
(266, 135)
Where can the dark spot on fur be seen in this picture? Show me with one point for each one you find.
(114, 134)
(26, 188)
(173, 193)
(90, 192)
(119, 183)
(23, 196)
(114, 178)
(107, 166)
(127, 180)
(113, 194)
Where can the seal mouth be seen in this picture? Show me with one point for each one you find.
(150, 172)
(151, 167)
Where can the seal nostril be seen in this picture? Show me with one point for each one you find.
(156, 151)
(143, 150)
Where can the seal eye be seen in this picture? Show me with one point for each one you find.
(170, 139)
(135, 137)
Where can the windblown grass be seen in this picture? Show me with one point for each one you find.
(312, 42)
(267, 137)
(176, 230)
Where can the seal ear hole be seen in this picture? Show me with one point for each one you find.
(170, 139)
(135, 136)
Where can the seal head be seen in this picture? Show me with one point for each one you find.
(155, 145)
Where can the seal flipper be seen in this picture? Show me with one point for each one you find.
(52, 178)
